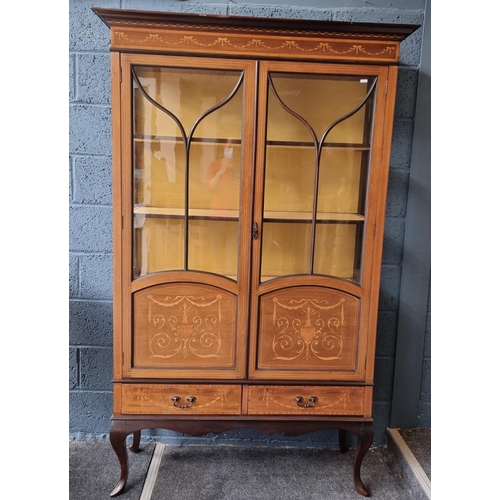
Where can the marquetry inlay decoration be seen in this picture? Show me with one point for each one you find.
(308, 328)
(235, 29)
(311, 331)
(181, 399)
(184, 329)
(145, 397)
(313, 400)
(255, 44)
(178, 325)
(341, 401)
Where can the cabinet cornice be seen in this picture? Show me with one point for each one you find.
(253, 36)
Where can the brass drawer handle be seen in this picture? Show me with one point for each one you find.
(312, 399)
(189, 399)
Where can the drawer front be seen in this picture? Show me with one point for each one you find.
(180, 399)
(306, 400)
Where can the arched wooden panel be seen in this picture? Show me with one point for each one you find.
(184, 326)
(307, 329)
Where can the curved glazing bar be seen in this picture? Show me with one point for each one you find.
(176, 85)
(348, 223)
(160, 107)
(186, 137)
(347, 115)
(292, 112)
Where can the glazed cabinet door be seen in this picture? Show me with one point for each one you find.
(186, 163)
(320, 147)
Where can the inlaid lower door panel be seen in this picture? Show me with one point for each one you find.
(309, 400)
(187, 330)
(307, 332)
(180, 399)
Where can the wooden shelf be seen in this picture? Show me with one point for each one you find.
(193, 212)
(269, 216)
(279, 216)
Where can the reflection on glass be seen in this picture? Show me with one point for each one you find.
(317, 156)
(285, 249)
(320, 100)
(219, 197)
(165, 236)
(187, 141)
(213, 246)
(289, 180)
(340, 181)
(159, 174)
(335, 251)
(223, 177)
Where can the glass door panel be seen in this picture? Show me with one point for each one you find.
(337, 249)
(285, 249)
(159, 183)
(318, 142)
(319, 100)
(288, 208)
(339, 187)
(187, 141)
(289, 184)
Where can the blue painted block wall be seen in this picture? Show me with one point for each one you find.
(90, 259)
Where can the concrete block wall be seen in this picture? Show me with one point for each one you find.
(90, 259)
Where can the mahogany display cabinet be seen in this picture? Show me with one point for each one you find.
(250, 171)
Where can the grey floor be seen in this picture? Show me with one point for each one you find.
(235, 472)
(419, 442)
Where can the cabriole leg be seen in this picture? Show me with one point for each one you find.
(117, 439)
(365, 440)
(343, 440)
(136, 442)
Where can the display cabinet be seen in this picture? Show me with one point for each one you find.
(250, 166)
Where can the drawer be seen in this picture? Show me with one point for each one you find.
(310, 400)
(179, 399)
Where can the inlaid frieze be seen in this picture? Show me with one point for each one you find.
(255, 43)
